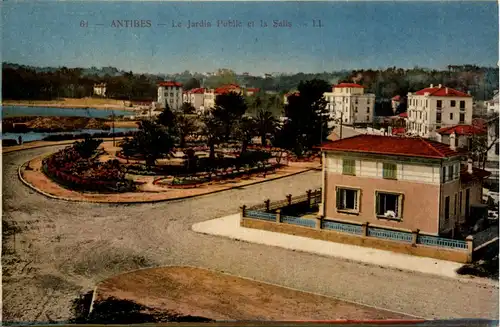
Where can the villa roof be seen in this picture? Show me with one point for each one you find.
(442, 92)
(197, 90)
(396, 98)
(477, 174)
(461, 130)
(349, 85)
(170, 83)
(390, 145)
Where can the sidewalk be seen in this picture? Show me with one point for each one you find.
(229, 226)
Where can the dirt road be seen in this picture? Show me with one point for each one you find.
(56, 250)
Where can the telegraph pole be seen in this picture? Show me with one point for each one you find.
(113, 126)
(341, 120)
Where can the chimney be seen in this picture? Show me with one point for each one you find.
(432, 85)
(446, 90)
(389, 130)
(469, 166)
(468, 92)
(439, 85)
(453, 138)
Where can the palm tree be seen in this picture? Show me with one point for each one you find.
(266, 123)
(184, 126)
(213, 130)
(245, 131)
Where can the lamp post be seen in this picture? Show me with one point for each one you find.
(113, 126)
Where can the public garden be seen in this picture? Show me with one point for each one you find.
(173, 155)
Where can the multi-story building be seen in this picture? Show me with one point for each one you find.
(100, 89)
(459, 136)
(398, 182)
(349, 102)
(195, 97)
(432, 108)
(492, 106)
(210, 94)
(494, 150)
(170, 92)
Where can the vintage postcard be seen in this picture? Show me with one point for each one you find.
(284, 161)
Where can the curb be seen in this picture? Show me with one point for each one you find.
(258, 281)
(7, 150)
(51, 196)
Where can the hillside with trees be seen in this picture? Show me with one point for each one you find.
(46, 83)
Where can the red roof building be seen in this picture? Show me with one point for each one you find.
(170, 84)
(348, 85)
(199, 90)
(394, 146)
(461, 130)
(396, 98)
(442, 91)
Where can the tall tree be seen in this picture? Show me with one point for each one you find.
(246, 129)
(152, 141)
(266, 124)
(192, 83)
(185, 126)
(307, 118)
(213, 132)
(228, 110)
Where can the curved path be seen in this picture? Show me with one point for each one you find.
(62, 249)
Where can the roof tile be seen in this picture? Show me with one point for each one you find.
(390, 145)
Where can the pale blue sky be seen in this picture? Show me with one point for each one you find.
(355, 35)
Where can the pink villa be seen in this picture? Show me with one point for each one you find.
(398, 182)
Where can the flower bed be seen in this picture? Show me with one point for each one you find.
(68, 168)
(194, 181)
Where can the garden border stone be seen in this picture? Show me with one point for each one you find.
(104, 201)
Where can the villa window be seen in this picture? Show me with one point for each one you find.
(453, 103)
(367, 110)
(455, 205)
(462, 104)
(439, 103)
(388, 205)
(438, 117)
(447, 208)
(462, 118)
(389, 170)
(460, 202)
(450, 173)
(347, 199)
(367, 118)
(349, 167)
(451, 115)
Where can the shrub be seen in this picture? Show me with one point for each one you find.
(87, 147)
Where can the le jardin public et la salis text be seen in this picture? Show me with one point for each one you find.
(203, 24)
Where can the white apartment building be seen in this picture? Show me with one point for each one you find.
(349, 102)
(492, 106)
(195, 97)
(432, 108)
(171, 93)
(100, 89)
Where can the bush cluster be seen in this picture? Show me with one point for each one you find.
(84, 172)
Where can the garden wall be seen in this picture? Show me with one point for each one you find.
(401, 241)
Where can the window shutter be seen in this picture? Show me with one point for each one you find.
(399, 212)
(337, 197)
(377, 203)
(355, 200)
